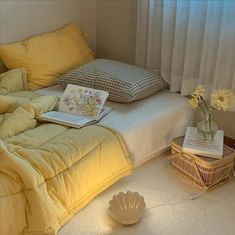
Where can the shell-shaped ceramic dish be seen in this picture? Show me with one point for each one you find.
(127, 207)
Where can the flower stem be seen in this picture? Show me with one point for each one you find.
(209, 117)
(204, 102)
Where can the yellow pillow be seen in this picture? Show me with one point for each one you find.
(47, 56)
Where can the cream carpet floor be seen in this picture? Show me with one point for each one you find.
(173, 206)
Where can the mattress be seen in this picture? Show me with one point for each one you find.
(147, 126)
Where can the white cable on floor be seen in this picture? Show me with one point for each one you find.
(189, 198)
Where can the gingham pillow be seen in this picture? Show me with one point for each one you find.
(125, 83)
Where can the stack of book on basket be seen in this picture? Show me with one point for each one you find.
(79, 107)
(208, 148)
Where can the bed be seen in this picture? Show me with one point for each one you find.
(146, 125)
(48, 172)
(42, 161)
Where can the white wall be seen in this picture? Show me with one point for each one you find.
(116, 29)
(20, 19)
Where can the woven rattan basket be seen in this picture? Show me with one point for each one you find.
(202, 171)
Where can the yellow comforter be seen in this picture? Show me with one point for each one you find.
(47, 171)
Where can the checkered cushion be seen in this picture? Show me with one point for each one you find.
(125, 83)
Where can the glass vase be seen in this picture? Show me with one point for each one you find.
(207, 129)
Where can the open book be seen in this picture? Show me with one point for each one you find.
(78, 107)
(210, 148)
(72, 120)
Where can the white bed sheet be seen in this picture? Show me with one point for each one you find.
(147, 126)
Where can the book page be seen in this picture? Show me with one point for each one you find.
(66, 118)
(72, 119)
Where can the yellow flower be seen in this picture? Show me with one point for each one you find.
(194, 102)
(199, 92)
(222, 99)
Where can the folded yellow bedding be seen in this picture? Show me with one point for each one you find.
(13, 80)
(48, 172)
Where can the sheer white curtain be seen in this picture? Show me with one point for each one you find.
(188, 42)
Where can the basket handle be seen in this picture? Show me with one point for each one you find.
(194, 165)
(173, 156)
(199, 175)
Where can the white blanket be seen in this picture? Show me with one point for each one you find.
(147, 126)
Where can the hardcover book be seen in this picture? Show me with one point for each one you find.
(207, 148)
(78, 107)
